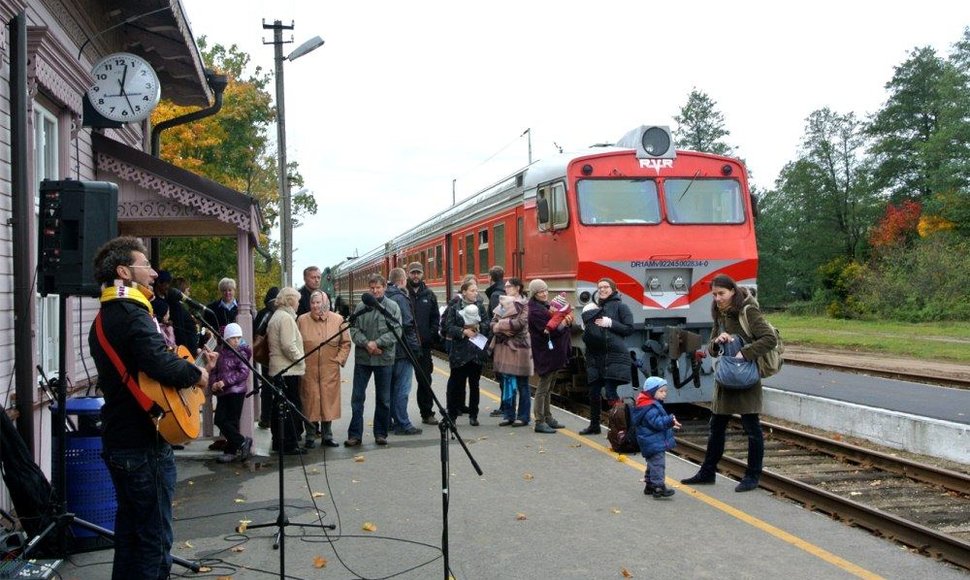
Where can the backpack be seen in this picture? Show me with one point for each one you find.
(622, 437)
(771, 362)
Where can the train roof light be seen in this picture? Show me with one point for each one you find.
(650, 142)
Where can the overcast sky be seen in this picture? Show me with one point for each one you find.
(405, 97)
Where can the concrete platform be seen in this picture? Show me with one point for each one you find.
(914, 417)
(547, 506)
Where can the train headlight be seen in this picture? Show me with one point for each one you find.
(584, 297)
(654, 284)
(679, 284)
(655, 141)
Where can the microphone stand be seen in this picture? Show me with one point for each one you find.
(444, 426)
(286, 407)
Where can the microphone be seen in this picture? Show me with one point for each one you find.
(193, 304)
(369, 301)
(353, 317)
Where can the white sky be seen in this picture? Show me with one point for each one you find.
(404, 97)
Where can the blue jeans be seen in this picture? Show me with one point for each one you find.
(656, 468)
(382, 410)
(524, 394)
(144, 481)
(400, 390)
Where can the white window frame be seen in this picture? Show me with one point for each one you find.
(46, 141)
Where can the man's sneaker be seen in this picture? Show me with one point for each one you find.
(495, 413)
(429, 420)
(226, 458)
(662, 492)
(412, 430)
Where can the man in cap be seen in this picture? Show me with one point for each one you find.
(424, 304)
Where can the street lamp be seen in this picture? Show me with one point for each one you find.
(286, 223)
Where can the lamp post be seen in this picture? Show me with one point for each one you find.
(286, 223)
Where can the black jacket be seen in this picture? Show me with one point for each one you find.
(409, 334)
(493, 292)
(186, 331)
(427, 318)
(133, 334)
(462, 350)
(607, 356)
(218, 316)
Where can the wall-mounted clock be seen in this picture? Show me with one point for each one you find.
(126, 88)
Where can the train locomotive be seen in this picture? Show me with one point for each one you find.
(660, 222)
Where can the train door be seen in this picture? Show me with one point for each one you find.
(449, 271)
(518, 248)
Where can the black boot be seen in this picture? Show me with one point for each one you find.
(649, 489)
(703, 477)
(593, 429)
(662, 492)
(594, 418)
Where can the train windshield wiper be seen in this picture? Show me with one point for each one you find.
(686, 189)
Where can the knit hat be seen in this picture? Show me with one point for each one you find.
(231, 330)
(470, 314)
(415, 267)
(537, 286)
(653, 384)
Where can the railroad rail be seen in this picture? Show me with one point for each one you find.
(942, 373)
(925, 508)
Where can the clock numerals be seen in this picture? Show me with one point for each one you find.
(127, 88)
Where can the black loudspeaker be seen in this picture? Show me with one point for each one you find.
(76, 218)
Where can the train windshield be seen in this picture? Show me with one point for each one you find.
(618, 201)
(703, 201)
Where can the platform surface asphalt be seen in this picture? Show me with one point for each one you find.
(548, 506)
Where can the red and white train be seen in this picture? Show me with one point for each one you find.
(660, 222)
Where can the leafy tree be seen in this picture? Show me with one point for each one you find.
(916, 133)
(700, 126)
(233, 148)
(821, 208)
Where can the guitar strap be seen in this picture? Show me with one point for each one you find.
(144, 401)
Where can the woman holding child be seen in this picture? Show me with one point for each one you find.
(550, 352)
(730, 303)
(463, 322)
(512, 353)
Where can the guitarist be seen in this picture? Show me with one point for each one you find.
(141, 463)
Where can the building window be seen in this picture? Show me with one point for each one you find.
(438, 267)
(470, 253)
(46, 150)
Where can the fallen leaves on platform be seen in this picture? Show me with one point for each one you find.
(521, 516)
(620, 457)
(319, 494)
(243, 524)
(615, 510)
(369, 527)
(185, 545)
(358, 458)
(237, 549)
(239, 500)
(576, 445)
(319, 562)
(528, 476)
(626, 573)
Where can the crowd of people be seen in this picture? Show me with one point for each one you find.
(517, 327)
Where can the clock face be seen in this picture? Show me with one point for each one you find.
(125, 89)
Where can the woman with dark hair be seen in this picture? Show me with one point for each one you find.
(607, 322)
(463, 321)
(512, 353)
(550, 352)
(730, 303)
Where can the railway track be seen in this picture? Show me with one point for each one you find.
(943, 374)
(925, 508)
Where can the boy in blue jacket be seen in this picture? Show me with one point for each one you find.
(655, 434)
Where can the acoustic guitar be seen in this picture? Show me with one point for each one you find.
(182, 420)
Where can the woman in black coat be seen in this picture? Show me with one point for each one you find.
(607, 356)
(730, 303)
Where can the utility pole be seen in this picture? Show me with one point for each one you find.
(286, 224)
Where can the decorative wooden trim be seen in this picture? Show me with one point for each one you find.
(51, 66)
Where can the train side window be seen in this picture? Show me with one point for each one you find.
(498, 235)
(437, 262)
(483, 252)
(542, 209)
(560, 211)
(470, 253)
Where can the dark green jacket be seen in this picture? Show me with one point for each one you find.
(734, 401)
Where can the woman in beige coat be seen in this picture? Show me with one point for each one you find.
(320, 385)
(286, 349)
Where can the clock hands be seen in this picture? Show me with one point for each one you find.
(124, 93)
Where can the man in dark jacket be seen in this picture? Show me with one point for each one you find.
(427, 319)
(141, 463)
(312, 278)
(401, 375)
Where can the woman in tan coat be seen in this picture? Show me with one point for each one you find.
(285, 356)
(320, 385)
